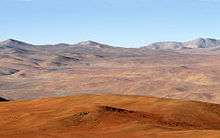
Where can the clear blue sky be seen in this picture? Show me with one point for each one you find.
(128, 23)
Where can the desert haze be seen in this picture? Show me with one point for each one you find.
(90, 89)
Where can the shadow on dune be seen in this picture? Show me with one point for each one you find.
(3, 100)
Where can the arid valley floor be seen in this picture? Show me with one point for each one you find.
(96, 90)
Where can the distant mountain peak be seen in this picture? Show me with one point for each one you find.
(90, 43)
(202, 43)
(200, 39)
(13, 42)
(196, 43)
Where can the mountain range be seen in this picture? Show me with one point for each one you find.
(197, 43)
(90, 89)
(29, 71)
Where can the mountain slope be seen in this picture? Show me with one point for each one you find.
(13, 42)
(197, 43)
(30, 71)
(109, 116)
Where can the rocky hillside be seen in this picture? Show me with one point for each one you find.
(30, 71)
(197, 43)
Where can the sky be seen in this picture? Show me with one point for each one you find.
(128, 23)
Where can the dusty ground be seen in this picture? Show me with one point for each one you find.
(29, 71)
(109, 116)
(194, 77)
(32, 72)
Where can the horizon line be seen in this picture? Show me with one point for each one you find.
(99, 42)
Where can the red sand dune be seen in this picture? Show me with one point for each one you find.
(108, 116)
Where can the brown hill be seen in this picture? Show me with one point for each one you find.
(30, 71)
(109, 116)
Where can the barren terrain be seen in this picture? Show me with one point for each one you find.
(109, 116)
(89, 90)
(28, 71)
